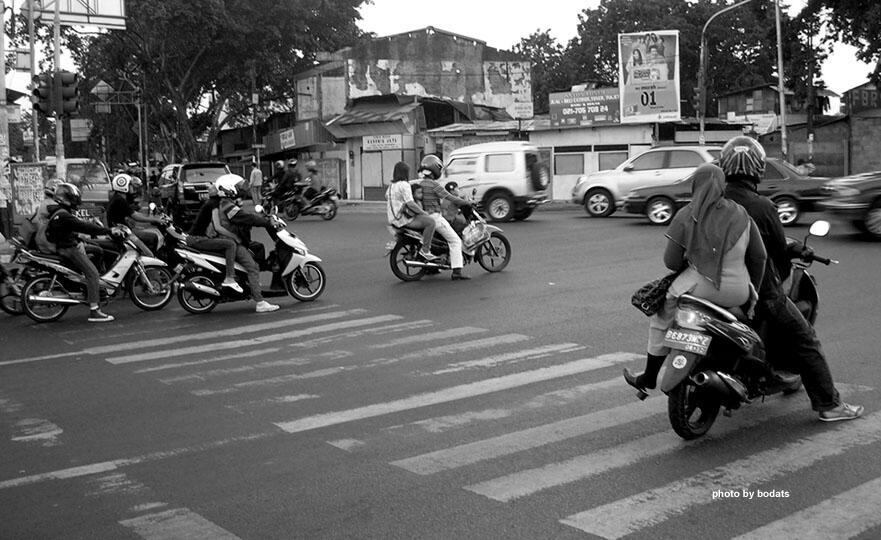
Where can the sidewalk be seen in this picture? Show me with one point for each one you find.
(358, 205)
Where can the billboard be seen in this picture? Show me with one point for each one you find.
(585, 108)
(648, 76)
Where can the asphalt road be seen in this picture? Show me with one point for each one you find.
(491, 408)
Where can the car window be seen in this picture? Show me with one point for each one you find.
(202, 174)
(569, 164)
(499, 163)
(771, 173)
(649, 161)
(88, 176)
(463, 165)
(715, 153)
(684, 158)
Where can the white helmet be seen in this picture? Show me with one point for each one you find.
(228, 185)
(125, 183)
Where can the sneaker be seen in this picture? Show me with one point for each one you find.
(844, 411)
(230, 283)
(457, 276)
(428, 256)
(99, 316)
(265, 307)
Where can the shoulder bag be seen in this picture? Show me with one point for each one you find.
(650, 297)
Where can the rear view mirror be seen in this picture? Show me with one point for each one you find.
(152, 207)
(259, 208)
(628, 168)
(819, 228)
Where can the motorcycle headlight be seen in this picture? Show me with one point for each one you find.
(691, 318)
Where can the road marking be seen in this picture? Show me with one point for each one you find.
(241, 407)
(527, 482)
(453, 333)
(846, 515)
(37, 429)
(256, 341)
(649, 508)
(246, 354)
(464, 391)
(527, 354)
(175, 524)
(409, 326)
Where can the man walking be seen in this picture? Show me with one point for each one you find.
(255, 181)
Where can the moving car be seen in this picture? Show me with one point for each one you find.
(793, 192)
(603, 191)
(184, 186)
(856, 198)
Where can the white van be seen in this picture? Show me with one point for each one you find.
(507, 178)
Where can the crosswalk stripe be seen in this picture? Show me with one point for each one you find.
(456, 393)
(649, 508)
(527, 482)
(409, 326)
(245, 354)
(452, 333)
(174, 524)
(846, 515)
(260, 340)
(538, 352)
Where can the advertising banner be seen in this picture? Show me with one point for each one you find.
(585, 108)
(648, 76)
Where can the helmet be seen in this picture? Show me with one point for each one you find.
(450, 186)
(125, 183)
(292, 162)
(743, 156)
(67, 195)
(228, 185)
(311, 166)
(278, 164)
(432, 164)
(49, 188)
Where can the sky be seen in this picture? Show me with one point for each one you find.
(502, 23)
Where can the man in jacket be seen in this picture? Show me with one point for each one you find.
(432, 194)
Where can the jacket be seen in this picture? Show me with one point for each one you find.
(231, 221)
(63, 228)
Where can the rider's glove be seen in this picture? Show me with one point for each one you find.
(807, 253)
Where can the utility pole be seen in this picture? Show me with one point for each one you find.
(60, 168)
(811, 98)
(780, 89)
(35, 124)
(4, 118)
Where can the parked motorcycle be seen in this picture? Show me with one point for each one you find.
(295, 272)
(324, 204)
(492, 252)
(47, 296)
(13, 275)
(717, 358)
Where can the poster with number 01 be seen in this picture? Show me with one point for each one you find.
(648, 76)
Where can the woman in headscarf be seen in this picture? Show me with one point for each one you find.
(720, 253)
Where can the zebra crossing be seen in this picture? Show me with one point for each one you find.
(488, 409)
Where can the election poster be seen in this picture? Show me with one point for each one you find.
(648, 76)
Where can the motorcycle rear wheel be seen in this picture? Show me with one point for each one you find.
(404, 251)
(690, 415)
(331, 211)
(38, 311)
(160, 278)
(291, 211)
(193, 302)
(10, 293)
(494, 254)
(306, 283)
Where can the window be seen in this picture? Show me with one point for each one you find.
(464, 165)
(715, 153)
(499, 163)
(771, 172)
(206, 175)
(684, 158)
(649, 161)
(569, 164)
(610, 160)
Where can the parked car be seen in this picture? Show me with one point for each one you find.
(603, 192)
(183, 187)
(793, 192)
(507, 178)
(856, 198)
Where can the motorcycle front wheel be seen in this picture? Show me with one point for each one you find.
(43, 286)
(193, 301)
(691, 415)
(331, 211)
(405, 251)
(291, 211)
(159, 278)
(494, 254)
(306, 283)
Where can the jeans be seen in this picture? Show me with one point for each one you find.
(78, 258)
(243, 257)
(425, 224)
(256, 194)
(794, 345)
(446, 230)
(217, 245)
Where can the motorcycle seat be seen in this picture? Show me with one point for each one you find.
(730, 314)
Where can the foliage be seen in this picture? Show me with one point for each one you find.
(857, 23)
(545, 56)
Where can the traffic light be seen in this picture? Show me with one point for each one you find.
(70, 92)
(41, 95)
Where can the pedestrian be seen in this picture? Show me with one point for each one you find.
(255, 182)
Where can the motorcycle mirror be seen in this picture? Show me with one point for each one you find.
(152, 207)
(819, 228)
(259, 208)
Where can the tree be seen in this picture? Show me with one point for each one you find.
(545, 56)
(857, 23)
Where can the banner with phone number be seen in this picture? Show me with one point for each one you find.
(648, 76)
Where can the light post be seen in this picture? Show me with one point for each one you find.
(780, 88)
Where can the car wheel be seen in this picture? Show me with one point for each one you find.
(660, 211)
(787, 210)
(520, 215)
(598, 203)
(872, 224)
(500, 207)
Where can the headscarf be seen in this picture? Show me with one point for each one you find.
(710, 224)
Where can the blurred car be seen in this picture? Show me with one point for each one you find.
(603, 191)
(856, 198)
(793, 192)
(184, 186)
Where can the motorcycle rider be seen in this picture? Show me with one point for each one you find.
(232, 221)
(120, 208)
(794, 339)
(62, 231)
(198, 238)
(315, 184)
(291, 180)
(41, 216)
(433, 193)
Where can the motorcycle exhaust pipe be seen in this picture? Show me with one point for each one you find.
(203, 289)
(730, 390)
(424, 264)
(53, 300)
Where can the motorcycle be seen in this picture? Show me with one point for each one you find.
(48, 295)
(323, 204)
(295, 272)
(12, 277)
(717, 356)
(492, 252)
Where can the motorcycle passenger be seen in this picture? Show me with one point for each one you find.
(719, 252)
(458, 220)
(794, 339)
(41, 216)
(234, 222)
(403, 211)
(62, 231)
(290, 182)
(433, 193)
(198, 238)
(121, 207)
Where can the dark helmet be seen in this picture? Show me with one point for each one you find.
(743, 156)
(311, 166)
(450, 186)
(67, 195)
(432, 164)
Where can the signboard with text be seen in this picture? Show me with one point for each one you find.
(287, 139)
(382, 142)
(585, 108)
(648, 76)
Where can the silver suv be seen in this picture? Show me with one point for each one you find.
(507, 178)
(603, 191)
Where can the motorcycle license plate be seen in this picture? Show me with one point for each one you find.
(687, 340)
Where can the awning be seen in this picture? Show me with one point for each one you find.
(373, 119)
